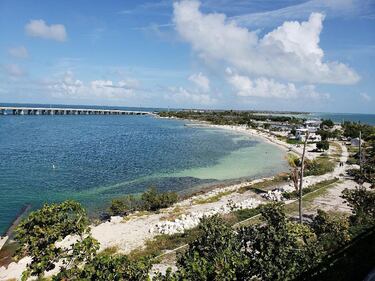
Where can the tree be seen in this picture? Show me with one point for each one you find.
(322, 145)
(293, 131)
(327, 123)
(215, 255)
(362, 202)
(279, 249)
(38, 234)
(332, 229)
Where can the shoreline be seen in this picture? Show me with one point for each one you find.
(130, 233)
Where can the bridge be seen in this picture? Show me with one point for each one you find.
(6, 110)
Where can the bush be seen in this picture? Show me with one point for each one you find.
(38, 234)
(332, 229)
(123, 206)
(327, 123)
(362, 202)
(318, 167)
(105, 267)
(322, 145)
(152, 200)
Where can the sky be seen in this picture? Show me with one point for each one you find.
(315, 55)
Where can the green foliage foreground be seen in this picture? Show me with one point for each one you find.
(277, 249)
(38, 236)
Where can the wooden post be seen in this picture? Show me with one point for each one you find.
(301, 177)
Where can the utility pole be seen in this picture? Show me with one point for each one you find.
(301, 177)
(360, 152)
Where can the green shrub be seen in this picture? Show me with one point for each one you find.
(152, 200)
(106, 267)
(322, 145)
(319, 166)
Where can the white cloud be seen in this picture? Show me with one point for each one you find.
(269, 88)
(201, 81)
(68, 86)
(184, 96)
(289, 52)
(39, 28)
(19, 52)
(14, 70)
(333, 8)
(365, 96)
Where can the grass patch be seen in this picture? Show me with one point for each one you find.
(263, 186)
(165, 242)
(212, 199)
(174, 214)
(312, 188)
(337, 151)
(319, 189)
(110, 251)
(353, 149)
(319, 166)
(294, 141)
(244, 214)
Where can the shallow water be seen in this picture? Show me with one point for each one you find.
(95, 158)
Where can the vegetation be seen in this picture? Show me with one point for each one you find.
(38, 234)
(233, 117)
(318, 166)
(105, 267)
(326, 135)
(322, 145)
(212, 199)
(278, 250)
(352, 130)
(312, 188)
(362, 202)
(150, 200)
(327, 123)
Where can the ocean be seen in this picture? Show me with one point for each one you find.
(95, 158)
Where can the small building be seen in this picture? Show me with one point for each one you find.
(301, 134)
(354, 142)
(312, 125)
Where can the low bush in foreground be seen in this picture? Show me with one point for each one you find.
(151, 200)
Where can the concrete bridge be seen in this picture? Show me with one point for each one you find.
(5, 110)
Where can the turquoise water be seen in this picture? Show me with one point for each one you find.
(95, 158)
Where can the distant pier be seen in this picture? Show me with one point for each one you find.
(10, 110)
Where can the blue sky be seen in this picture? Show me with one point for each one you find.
(315, 55)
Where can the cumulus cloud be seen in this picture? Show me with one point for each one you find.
(14, 70)
(180, 95)
(71, 87)
(200, 81)
(269, 88)
(290, 52)
(39, 28)
(19, 52)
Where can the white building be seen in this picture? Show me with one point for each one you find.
(312, 125)
(354, 142)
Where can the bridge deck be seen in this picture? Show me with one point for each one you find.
(4, 110)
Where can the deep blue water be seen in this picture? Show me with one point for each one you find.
(95, 158)
(340, 117)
